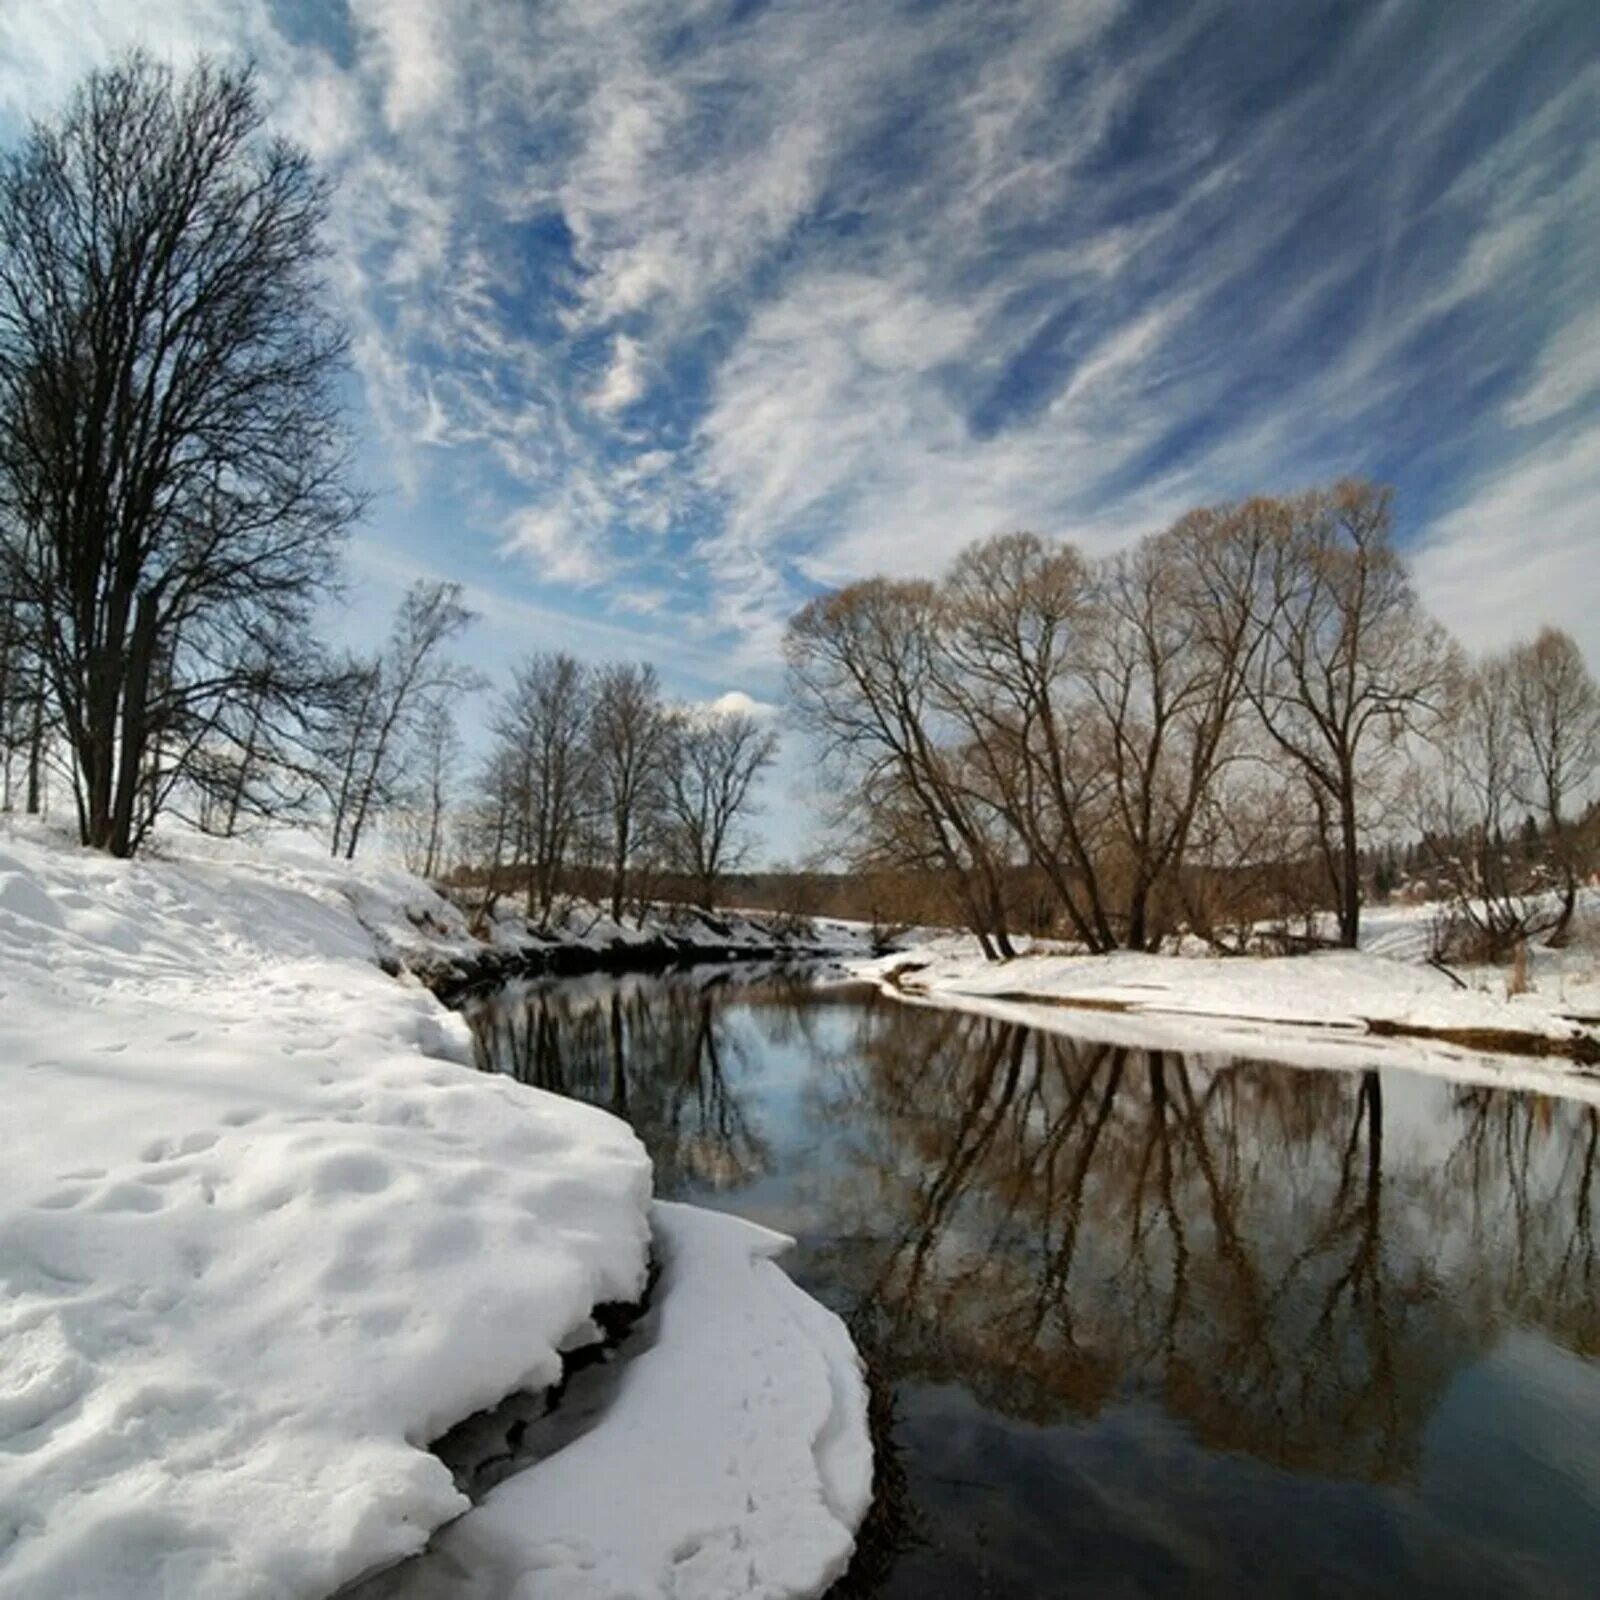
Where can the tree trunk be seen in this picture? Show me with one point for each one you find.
(36, 749)
(1350, 873)
(430, 863)
(619, 872)
(1559, 934)
(236, 793)
(135, 732)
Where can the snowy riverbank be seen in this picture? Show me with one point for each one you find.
(1335, 1008)
(263, 1233)
(442, 945)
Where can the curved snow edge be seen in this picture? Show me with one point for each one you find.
(257, 1242)
(734, 1460)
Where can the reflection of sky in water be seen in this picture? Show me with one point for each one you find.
(1153, 1325)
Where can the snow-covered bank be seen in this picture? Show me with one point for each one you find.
(441, 946)
(732, 1464)
(1333, 1008)
(263, 1234)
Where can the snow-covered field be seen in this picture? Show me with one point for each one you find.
(1334, 1008)
(263, 1234)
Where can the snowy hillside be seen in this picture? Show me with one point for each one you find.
(263, 1234)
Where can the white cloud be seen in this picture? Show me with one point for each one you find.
(45, 45)
(1567, 374)
(1523, 550)
(863, 411)
(736, 703)
(624, 381)
(558, 544)
(411, 48)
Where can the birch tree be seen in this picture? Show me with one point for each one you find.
(387, 700)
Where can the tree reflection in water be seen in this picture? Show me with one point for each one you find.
(651, 1050)
(1294, 1265)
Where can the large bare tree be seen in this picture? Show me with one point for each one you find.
(1011, 618)
(864, 678)
(1166, 660)
(173, 461)
(1350, 664)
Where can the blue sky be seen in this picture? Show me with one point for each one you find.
(666, 315)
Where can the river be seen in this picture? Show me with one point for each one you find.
(1141, 1322)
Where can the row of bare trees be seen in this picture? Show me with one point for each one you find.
(593, 771)
(1246, 688)
(1501, 809)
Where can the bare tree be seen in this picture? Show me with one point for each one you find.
(490, 828)
(387, 701)
(543, 731)
(629, 741)
(21, 703)
(1467, 787)
(259, 757)
(1556, 707)
(1350, 664)
(438, 752)
(1165, 667)
(173, 460)
(1011, 619)
(864, 679)
(714, 760)
(1098, 702)
(1088, 714)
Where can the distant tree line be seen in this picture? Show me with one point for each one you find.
(1251, 696)
(594, 777)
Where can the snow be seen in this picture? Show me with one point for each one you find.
(264, 1233)
(432, 937)
(580, 924)
(1314, 1010)
(742, 1429)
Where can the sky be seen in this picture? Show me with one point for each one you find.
(668, 315)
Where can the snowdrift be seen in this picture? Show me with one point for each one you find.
(264, 1234)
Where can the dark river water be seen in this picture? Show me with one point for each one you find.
(1144, 1323)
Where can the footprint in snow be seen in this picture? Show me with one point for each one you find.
(191, 1144)
(43, 1380)
(130, 1197)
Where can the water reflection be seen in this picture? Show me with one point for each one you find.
(650, 1050)
(1284, 1269)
